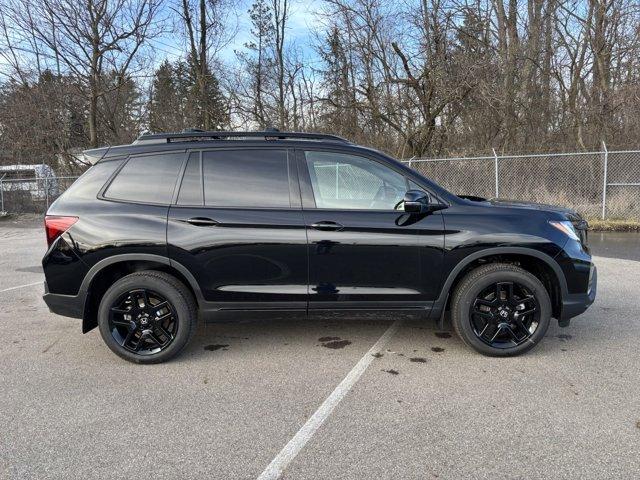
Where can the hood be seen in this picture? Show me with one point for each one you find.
(571, 214)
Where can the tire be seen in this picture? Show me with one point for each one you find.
(479, 304)
(147, 317)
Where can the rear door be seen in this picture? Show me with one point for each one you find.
(237, 225)
(364, 251)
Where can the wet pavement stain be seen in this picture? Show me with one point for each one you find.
(336, 344)
(564, 337)
(212, 348)
(328, 339)
(442, 334)
(418, 360)
(437, 349)
(391, 371)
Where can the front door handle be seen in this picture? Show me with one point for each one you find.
(202, 222)
(327, 226)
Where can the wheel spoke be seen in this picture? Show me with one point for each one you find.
(154, 338)
(522, 327)
(159, 306)
(140, 299)
(163, 317)
(495, 335)
(485, 302)
(514, 337)
(507, 288)
(164, 332)
(129, 336)
(149, 327)
(121, 322)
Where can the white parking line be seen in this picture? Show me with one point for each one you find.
(300, 439)
(21, 286)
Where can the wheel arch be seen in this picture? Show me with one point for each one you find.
(102, 275)
(544, 267)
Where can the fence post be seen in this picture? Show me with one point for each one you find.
(46, 192)
(604, 180)
(410, 160)
(495, 156)
(2, 193)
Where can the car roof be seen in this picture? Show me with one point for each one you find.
(198, 139)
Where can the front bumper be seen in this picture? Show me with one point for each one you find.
(575, 304)
(65, 305)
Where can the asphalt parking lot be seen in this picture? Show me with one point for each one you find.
(424, 406)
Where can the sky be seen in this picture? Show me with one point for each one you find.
(302, 22)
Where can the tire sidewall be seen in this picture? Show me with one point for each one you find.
(162, 287)
(468, 296)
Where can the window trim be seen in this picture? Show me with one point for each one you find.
(306, 186)
(295, 201)
(105, 187)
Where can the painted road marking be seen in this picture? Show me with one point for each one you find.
(22, 286)
(300, 439)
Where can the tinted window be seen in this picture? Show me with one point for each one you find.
(91, 181)
(191, 188)
(246, 178)
(148, 179)
(348, 182)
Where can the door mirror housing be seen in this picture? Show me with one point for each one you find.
(417, 201)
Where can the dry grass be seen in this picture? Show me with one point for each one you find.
(599, 225)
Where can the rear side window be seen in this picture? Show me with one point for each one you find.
(246, 178)
(91, 181)
(148, 179)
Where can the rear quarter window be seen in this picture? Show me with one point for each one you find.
(147, 179)
(89, 184)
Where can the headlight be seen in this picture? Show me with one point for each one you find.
(565, 227)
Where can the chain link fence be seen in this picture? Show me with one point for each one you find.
(31, 195)
(603, 184)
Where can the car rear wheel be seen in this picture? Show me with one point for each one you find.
(147, 317)
(500, 310)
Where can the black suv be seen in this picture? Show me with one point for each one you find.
(177, 226)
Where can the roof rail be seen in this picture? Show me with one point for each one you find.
(201, 135)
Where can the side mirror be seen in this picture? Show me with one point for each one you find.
(416, 201)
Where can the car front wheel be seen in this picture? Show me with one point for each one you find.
(500, 310)
(147, 317)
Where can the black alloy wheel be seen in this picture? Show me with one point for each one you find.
(500, 309)
(505, 314)
(147, 316)
(143, 321)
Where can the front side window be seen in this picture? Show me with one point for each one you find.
(351, 182)
(246, 178)
(147, 179)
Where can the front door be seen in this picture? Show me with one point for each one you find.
(364, 251)
(237, 226)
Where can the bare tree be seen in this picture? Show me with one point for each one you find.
(90, 38)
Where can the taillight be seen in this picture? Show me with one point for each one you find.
(56, 226)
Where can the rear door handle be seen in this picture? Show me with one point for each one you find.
(201, 222)
(327, 226)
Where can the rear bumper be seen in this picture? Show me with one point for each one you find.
(65, 305)
(575, 304)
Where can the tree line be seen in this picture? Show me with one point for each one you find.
(414, 78)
